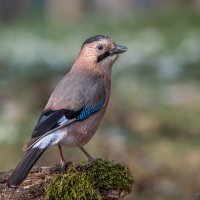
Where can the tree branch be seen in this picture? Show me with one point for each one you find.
(99, 180)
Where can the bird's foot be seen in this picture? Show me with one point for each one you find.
(92, 160)
(65, 165)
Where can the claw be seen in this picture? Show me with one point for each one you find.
(65, 165)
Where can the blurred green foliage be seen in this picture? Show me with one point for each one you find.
(152, 123)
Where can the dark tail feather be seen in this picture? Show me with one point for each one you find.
(23, 168)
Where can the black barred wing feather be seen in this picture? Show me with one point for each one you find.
(89, 110)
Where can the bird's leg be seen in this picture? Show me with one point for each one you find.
(61, 156)
(89, 157)
(64, 164)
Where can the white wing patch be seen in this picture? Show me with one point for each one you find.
(62, 120)
(50, 140)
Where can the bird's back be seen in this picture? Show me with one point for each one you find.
(77, 89)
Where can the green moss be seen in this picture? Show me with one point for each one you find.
(87, 181)
(71, 186)
(108, 175)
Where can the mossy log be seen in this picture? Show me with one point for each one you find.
(98, 180)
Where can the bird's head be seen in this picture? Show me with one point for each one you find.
(100, 52)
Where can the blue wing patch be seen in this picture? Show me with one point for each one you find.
(89, 110)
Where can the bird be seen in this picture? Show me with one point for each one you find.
(75, 107)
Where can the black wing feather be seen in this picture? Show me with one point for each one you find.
(48, 120)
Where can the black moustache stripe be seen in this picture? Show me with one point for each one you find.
(102, 56)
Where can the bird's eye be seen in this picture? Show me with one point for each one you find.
(100, 47)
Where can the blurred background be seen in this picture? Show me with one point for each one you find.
(153, 119)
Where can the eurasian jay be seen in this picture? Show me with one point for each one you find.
(76, 106)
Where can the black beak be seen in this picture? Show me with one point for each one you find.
(118, 49)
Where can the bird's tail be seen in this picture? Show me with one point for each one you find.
(25, 165)
(32, 155)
